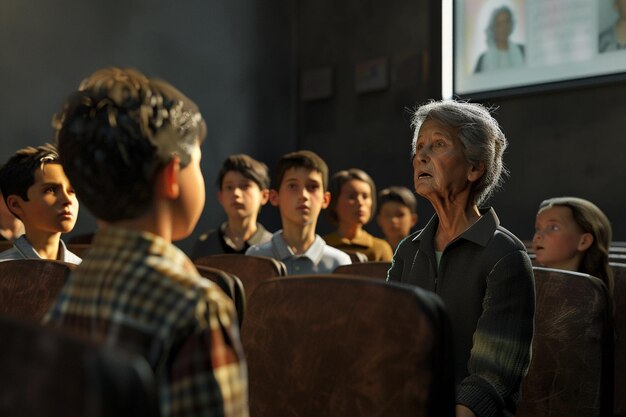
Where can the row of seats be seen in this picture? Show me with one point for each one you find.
(334, 332)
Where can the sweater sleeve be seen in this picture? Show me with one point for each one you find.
(500, 354)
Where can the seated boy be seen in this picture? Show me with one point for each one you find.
(299, 192)
(36, 191)
(131, 146)
(396, 214)
(243, 184)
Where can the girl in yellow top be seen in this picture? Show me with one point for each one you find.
(351, 207)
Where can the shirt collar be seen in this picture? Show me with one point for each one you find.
(24, 248)
(255, 239)
(314, 253)
(480, 232)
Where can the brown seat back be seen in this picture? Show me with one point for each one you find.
(79, 249)
(571, 369)
(5, 245)
(251, 270)
(619, 303)
(29, 287)
(365, 269)
(47, 374)
(230, 284)
(355, 256)
(338, 345)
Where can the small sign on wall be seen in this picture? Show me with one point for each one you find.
(371, 75)
(316, 83)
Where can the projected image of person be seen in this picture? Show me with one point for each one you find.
(614, 37)
(501, 52)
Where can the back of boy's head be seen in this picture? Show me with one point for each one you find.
(397, 194)
(17, 175)
(300, 159)
(116, 132)
(336, 183)
(248, 167)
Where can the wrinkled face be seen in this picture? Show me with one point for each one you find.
(301, 197)
(192, 196)
(440, 169)
(354, 203)
(396, 220)
(240, 196)
(502, 26)
(557, 237)
(52, 206)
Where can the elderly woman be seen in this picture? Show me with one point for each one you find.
(501, 52)
(479, 269)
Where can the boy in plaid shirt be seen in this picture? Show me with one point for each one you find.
(131, 147)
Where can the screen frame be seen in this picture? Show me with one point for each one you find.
(460, 57)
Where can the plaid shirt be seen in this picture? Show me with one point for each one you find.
(139, 292)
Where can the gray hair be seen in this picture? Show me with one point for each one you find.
(481, 136)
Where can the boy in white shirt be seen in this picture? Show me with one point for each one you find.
(299, 192)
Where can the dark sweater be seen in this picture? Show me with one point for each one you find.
(485, 279)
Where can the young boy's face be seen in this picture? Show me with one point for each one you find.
(396, 220)
(52, 205)
(301, 197)
(240, 196)
(191, 198)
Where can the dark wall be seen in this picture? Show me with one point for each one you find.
(367, 130)
(564, 142)
(233, 58)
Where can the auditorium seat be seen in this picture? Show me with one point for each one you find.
(619, 302)
(5, 244)
(342, 345)
(571, 373)
(251, 270)
(29, 287)
(79, 249)
(46, 373)
(374, 269)
(356, 256)
(230, 284)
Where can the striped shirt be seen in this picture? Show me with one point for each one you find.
(139, 292)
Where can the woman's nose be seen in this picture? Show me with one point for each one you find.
(423, 154)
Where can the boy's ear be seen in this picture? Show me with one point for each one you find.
(585, 242)
(14, 204)
(413, 219)
(265, 195)
(167, 185)
(326, 201)
(273, 196)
